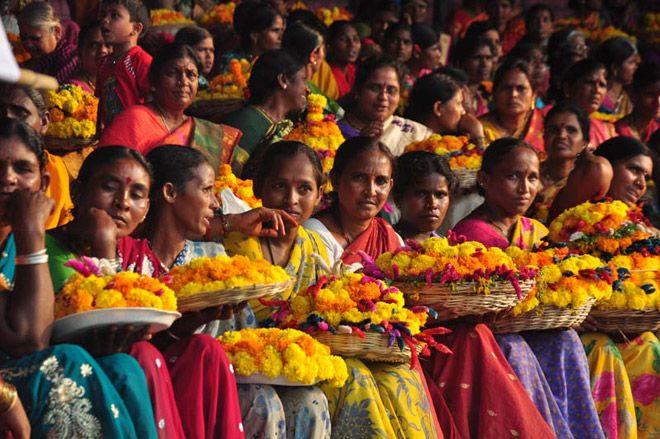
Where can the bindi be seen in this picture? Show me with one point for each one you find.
(128, 180)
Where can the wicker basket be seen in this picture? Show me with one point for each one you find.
(626, 321)
(372, 348)
(214, 109)
(542, 318)
(464, 298)
(68, 144)
(231, 296)
(467, 178)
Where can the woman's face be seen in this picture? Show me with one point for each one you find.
(193, 206)
(40, 41)
(540, 72)
(630, 178)
(425, 203)
(500, 11)
(563, 137)
(364, 185)
(647, 101)
(400, 46)
(382, 20)
(316, 58)
(270, 38)
(16, 104)
(514, 95)
(93, 51)
(19, 170)
(449, 113)
(206, 53)
(479, 66)
(431, 57)
(577, 49)
(291, 186)
(121, 189)
(297, 91)
(345, 48)
(513, 183)
(588, 92)
(626, 72)
(542, 25)
(379, 96)
(177, 86)
(494, 37)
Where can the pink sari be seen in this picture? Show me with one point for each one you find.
(527, 232)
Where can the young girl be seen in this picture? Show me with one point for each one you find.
(343, 52)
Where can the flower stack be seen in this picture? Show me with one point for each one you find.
(464, 157)
(330, 15)
(222, 13)
(240, 188)
(73, 113)
(20, 53)
(168, 17)
(228, 86)
(273, 353)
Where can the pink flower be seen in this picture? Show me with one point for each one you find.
(646, 388)
(604, 387)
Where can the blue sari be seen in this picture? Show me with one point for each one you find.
(67, 393)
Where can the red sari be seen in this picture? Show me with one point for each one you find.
(379, 238)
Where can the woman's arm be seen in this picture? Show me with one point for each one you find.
(12, 413)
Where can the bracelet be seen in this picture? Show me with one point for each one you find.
(226, 228)
(39, 257)
(8, 397)
(171, 334)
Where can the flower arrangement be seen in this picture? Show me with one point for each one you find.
(606, 227)
(330, 15)
(319, 132)
(241, 188)
(603, 34)
(637, 286)
(223, 272)
(166, 17)
(461, 153)
(231, 85)
(86, 291)
(72, 112)
(20, 53)
(222, 13)
(283, 352)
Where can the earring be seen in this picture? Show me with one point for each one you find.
(284, 86)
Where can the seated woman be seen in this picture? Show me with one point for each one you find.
(476, 56)
(277, 87)
(343, 53)
(645, 96)
(619, 55)
(514, 113)
(427, 53)
(370, 112)
(546, 362)
(201, 41)
(174, 75)
(585, 84)
(362, 178)
(91, 50)
(66, 392)
(565, 48)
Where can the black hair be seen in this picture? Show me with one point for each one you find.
(191, 35)
(468, 46)
(337, 28)
(424, 35)
(500, 149)
(32, 93)
(620, 148)
(614, 51)
(31, 139)
(169, 53)
(415, 165)
(173, 164)
(580, 114)
(478, 28)
(581, 69)
(252, 17)
(524, 50)
(283, 151)
(428, 90)
(458, 75)
(535, 9)
(353, 147)
(392, 30)
(137, 11)
(263, 80)
(647, 74)
(307, 17)
(511, 65)
(368, 67)
(86, 31)
(301, 40)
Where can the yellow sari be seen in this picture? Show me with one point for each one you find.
(324, 79)
(58, 190)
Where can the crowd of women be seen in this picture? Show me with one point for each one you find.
(541, 102)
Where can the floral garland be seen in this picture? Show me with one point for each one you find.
(72, 112)
(606, 227)
(222, 13)
(165, 17)
(330, 15)
(223, 272)
(459, 151)
(230, 85)
(637, 286)
(93, 290)
(606, 117)
(283, 352)
(241, 188)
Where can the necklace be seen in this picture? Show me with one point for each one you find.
(270, 252)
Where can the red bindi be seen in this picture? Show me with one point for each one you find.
(128, 180)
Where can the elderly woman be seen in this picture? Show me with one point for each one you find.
(42, 36)
(174, 76)
(619, 55)
(514, 114)
(565, 48)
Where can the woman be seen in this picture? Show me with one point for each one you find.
(515, 113)
(469, 12)
(398, 43)
(362, 177)
(645, 96)
(42, 36)
(66, 392)
(565, 48)
(539, 20)
(277, 87)
(506, 14)
(534, 55)
(343, 52)
(585, 84)
(488, 30)
(546, 362)
(174, 75)
(621, 59)
(202, 41)
(91, 50)
(476, 57)
(375, 98)
(427, 54)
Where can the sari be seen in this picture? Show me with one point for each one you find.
(548, 363)
(67, 393)
(540, 208)
(623, 128)
(141, 128)
(397, 132)
(324, 80)
(58, 191)
(344, 78)
(600, 131)
(531, 132)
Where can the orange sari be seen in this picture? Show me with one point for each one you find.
(531, 133)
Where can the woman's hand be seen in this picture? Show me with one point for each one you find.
(101, 230)
(114, 339)
(262, 222)
(471, 126)
(190, 321)
(373, 129)
(16, 421)
(27, 213)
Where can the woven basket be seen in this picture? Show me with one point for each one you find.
(467, 178)
(464, 298)
(372, 348)
(542, 318)
(231, 296)
(214, 109)
(68, 144)
(628, 322)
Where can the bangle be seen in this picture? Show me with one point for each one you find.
(171, 334)
(226, 228)
(8, 397)
(39, 257)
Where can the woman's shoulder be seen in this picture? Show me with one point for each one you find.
(316, 226)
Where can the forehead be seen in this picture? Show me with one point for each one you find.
(564, 118)
(642, 161)
(520, 159)
(180, 63)
(298, 168)
(432, 181)
(16, 96)
(122, 169)
(384, 75)
(31, 30)
(372, 162)
(515, 77)
(13, 148)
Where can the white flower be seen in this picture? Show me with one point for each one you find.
(49, 365)
(85, 370)
(115, 411)
(68, 390)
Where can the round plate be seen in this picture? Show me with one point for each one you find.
(257, 378)
(73, 326)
